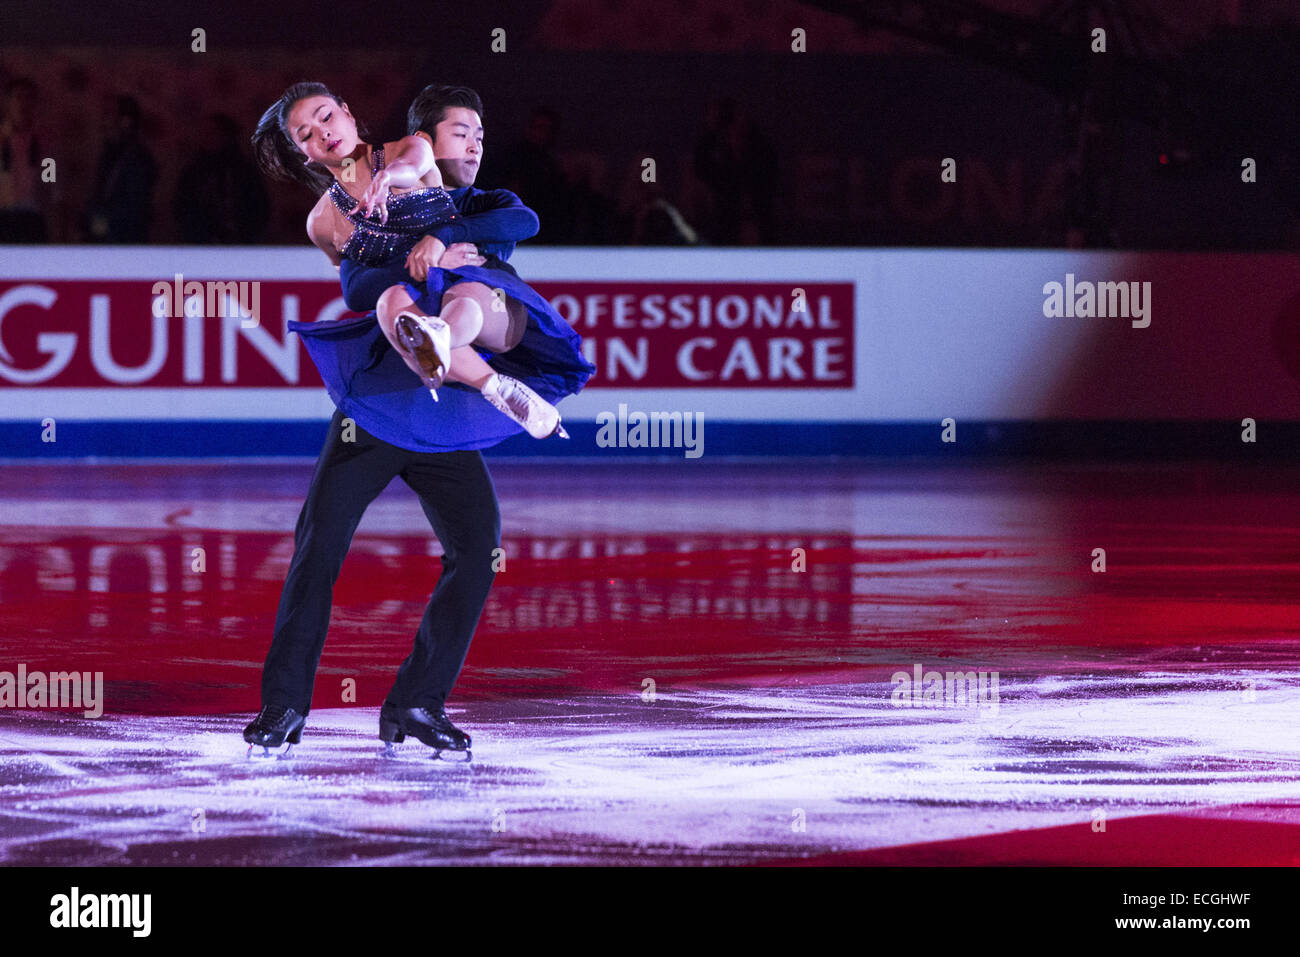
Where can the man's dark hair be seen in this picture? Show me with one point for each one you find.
(429, 108)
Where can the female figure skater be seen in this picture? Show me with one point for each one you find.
(310, 136)
(433, 447)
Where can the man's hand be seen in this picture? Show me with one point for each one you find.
(423, 257)
(461, 254)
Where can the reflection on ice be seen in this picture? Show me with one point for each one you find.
(703, 776)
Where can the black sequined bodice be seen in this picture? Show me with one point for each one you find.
(410, 216)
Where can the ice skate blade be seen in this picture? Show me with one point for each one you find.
(267, 754)
(390, 751)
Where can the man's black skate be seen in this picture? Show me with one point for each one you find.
(274, 725)
(430, 726)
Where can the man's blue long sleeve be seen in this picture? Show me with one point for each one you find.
(363, 285)
(493, 216)
(494, 220)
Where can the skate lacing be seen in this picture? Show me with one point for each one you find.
(525, 406)
(520, 401)
(272, 713)
(439, 721)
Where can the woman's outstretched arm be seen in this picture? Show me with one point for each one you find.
(410, 166)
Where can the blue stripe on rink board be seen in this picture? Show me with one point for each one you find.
(1275, 441)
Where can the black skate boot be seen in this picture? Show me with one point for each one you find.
(274, 725)
(428, 725)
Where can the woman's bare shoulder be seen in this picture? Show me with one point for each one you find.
(323, 212)
(323, 222)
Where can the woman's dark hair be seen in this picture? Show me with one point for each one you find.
(276, 155)
(429, 107)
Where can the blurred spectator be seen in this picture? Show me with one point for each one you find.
(659, 223)
(23, 197)
(219, 195)
(121, 202)
(533, 172)
(737, 164)
(592, 213)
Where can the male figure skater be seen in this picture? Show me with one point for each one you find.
(454, 487)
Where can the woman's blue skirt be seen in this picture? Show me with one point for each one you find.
(370, 383)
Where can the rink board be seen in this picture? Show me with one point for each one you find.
(773, 351)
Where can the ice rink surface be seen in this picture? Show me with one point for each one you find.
(655, 680)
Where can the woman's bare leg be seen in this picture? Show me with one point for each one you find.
(466, 313)
(464, 320)
(502, 322)
(503, 319)
(468, 366)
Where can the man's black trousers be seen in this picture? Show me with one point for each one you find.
(460, 502)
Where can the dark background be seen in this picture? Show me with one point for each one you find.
(1138, 148)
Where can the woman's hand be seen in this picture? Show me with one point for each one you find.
(375, 198)
(430, 252)
(424, 256)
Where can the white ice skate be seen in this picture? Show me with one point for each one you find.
(426, 339)
(538, 417)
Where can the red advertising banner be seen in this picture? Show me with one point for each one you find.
(200, 333)
(731, 334)
(104, 333)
